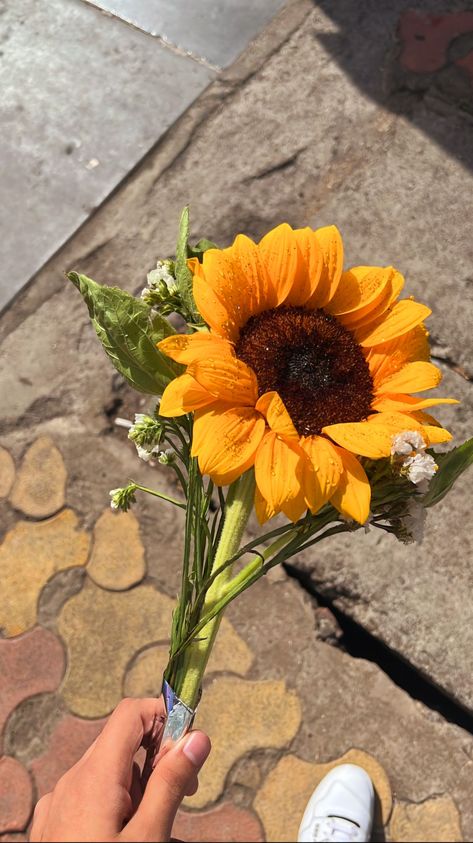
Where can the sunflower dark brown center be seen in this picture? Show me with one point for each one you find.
(314, 364)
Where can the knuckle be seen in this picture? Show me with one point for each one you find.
(126, 705)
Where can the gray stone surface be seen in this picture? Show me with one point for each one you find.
(313, 147)
(349, 703)
(84, 97)
(214, 30)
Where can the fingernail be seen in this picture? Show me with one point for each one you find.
(197, 748)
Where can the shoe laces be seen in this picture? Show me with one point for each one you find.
(336, 830)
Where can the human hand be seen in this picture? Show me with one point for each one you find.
(104, 797)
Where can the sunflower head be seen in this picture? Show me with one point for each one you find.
(304, 370)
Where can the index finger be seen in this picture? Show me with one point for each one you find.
(133, 723)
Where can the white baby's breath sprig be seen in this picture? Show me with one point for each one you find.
(403, 444)
(420, 467)
(416, 465)
(147, 433)
(122, 499)
(161, 284)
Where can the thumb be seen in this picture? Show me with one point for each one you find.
(174, 777)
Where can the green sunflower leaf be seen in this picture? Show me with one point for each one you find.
(450, 466)
(183, 273)
(129, 330)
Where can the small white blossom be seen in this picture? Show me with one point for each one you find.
(420, 467)
(161, 273)
(403, 444)
(114, 493)
(144, 454)
(167, 457)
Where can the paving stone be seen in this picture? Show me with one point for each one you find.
(16, 795)
(219, 825)
(217, 30)
(117, 560)
(436, 819)
(426, 37)
(241, 716)
(102, 631)
(230, 653)
(7, 472)
(68, 742)
(80, 158)
(281, 801)
(29, 556)
(31, 664)
(40, 485)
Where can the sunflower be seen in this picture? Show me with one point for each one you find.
(305, 368)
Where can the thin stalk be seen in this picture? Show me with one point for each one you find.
(161, 495)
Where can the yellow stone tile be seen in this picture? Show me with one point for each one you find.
(436, 819)
(102, 631)
(7, 472)
(29, 556)
(40, 485)
(241, 716)
(145, 676)
(230, 653)
(117, 560)
(282, 800)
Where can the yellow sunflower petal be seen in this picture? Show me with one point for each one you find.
(278, 472)
(413, 377)
(386, 359)
(272, 407)
(256, 290)
(331, 245)
(283, 260)
(353, 495)
(403, 317)
(312, 258)
(325, 469)
(262, 508)
(186, 348)
(225, 441)
(400, 403)
(210, 294)
(364, 317)
(359, 291)
(183, 395)
(373, 437)
(435, 435)
(361, 438)
(227, 379)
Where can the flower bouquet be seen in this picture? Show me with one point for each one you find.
(286, 385)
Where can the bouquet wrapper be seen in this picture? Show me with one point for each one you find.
(179, 717)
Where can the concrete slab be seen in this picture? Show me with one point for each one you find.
(215, 30)
(84, 97)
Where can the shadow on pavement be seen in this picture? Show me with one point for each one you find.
(413, 58)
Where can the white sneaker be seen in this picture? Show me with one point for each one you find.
(340, 809)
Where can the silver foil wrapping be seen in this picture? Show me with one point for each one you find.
(179, 716)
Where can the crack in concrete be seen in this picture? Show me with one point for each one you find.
(358, 642)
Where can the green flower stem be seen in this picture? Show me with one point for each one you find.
(239, 505)
(259, 560)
